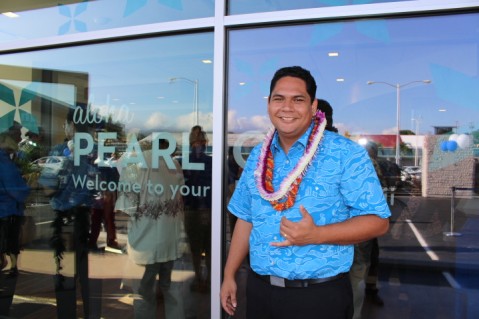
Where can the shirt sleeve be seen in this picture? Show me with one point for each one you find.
(360, 185)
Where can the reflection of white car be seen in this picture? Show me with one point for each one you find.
(414, 171)
(52, 164)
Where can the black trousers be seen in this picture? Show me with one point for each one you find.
(10, 227)
(329, 300)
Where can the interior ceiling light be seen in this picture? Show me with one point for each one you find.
(442, 110)
(10, 14)
(207, 61)
(340, 80)
(242, 83)
(333, 54)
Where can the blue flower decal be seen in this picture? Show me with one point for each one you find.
(78, 25)
(27, 119)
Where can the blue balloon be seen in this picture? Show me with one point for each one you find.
(444, 146)
(451, 146)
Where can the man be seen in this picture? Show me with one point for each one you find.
(154, 232)
(305, 197)
(364, 271)
(198, 209)
(327, 109)
(13, 195)
(72, 204)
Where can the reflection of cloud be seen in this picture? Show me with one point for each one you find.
(241, 124)
(232, 125)
(157, 120)
(185, 122)
(391, 130)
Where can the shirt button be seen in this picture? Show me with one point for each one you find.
(287, 161)
(272, 262)
(275, 237)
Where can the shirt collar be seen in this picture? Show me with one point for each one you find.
(303, 140)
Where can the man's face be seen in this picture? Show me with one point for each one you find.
(69, 129)
(290, 109)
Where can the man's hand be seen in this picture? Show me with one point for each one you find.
(228, 296)
(298, 233)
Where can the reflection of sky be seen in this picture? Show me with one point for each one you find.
(134, 77)
(397, 51)
(97, 15)
(248, 6)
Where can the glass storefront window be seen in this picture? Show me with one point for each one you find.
(22, 20)
(412, 80)
(114, 143)
(245, 6)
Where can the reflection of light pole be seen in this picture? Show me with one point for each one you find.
(416, 121)
(195, 85)
(398, 110)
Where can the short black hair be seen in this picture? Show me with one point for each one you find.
(296, 72)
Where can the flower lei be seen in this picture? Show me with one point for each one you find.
(285, 196)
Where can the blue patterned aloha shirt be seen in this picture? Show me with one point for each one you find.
(341, 183)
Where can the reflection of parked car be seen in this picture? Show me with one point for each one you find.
(52, 164)
(413, 171)
(405, 177)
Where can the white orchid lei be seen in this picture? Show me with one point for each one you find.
(289, 186)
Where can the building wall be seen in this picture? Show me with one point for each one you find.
(443, 170)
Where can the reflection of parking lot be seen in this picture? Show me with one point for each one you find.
(419, 263)
(39, 217)
(411, 173)
(52, 164)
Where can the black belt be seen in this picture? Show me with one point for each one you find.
(297, 283)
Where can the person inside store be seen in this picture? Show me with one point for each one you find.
(234, 173)
(364, 271)
(72, 204)
(198, 208)
(155, 226)
(103, 208)
(325, 107)
(305, 197)
(13, 195)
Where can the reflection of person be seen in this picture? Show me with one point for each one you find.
(198, 204)
(234, 173)
(72, 203)
(13, 194)
(327, 109)
(391, 176)
(103, 208)
(364, 271)
(305, 197)
(154, 231)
